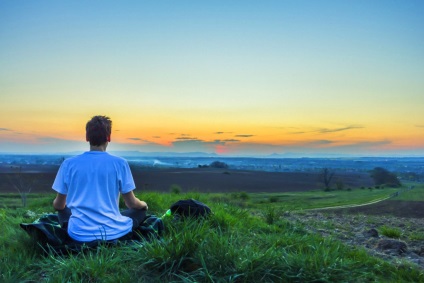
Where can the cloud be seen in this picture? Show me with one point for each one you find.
(327, 130)
(186, 138)
(156, 137)
(146, 146)
(10, 131)
(197, 142)
(318, 143)
(54, 140)
(319, 147)
(48, 144)
(181, 135)
(244, 136)
(298, 133)
(334, 146)
(138, 139)
(196, 145)
(419, 126)
(366, 144)
(324, 130)
(230, 140)
(220, 133)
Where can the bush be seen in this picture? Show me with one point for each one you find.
(243, 196)
(382, 176)
(390, 232)
(175, 189)
(273, 199)
(270, 216)
(239, 198)
(219, 164)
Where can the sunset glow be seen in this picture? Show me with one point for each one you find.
(301, 78)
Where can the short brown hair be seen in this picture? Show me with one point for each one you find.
(98, 130)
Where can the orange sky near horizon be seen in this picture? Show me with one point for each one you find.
(322, 78)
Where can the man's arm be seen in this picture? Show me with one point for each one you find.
(131, 201)
(59, 202)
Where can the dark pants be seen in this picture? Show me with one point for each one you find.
(137, 215)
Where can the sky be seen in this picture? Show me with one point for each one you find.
(234, 78)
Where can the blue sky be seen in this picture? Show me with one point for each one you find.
(311, 77)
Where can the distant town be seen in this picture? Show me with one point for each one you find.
(406, 168)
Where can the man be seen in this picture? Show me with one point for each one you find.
(88, 187)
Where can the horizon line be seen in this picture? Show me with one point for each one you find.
(206, 154)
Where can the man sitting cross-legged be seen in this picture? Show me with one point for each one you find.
(88, 188)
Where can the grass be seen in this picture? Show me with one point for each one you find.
(415, 194)
(391, 232)
(245, 240)
(13, 200)
(319, 199)
(417, 236)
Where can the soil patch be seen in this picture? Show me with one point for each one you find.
(353, 225)
(219, 180)
(355, 230)
(205, 180)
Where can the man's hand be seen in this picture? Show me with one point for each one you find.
(144, 204)
(131, 201)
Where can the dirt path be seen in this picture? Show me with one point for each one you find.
(350, 205)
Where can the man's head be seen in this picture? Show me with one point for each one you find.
(98, 129)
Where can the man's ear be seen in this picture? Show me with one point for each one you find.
(108, 138)
(86, 138)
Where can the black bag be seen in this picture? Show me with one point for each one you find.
(50, 236)
(152, 227)
(47, 230)
(190, 208)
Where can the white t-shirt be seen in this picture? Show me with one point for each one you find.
(92, 182)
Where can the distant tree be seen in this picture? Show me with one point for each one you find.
(219, 164)
(411, 176)
(22, 183)
(382, 176)
(203, 166)
(326, 176)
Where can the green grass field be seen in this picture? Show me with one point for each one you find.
(238, 243)
(320, 199)
(414, 194)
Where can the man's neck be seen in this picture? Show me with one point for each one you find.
(101, 147)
